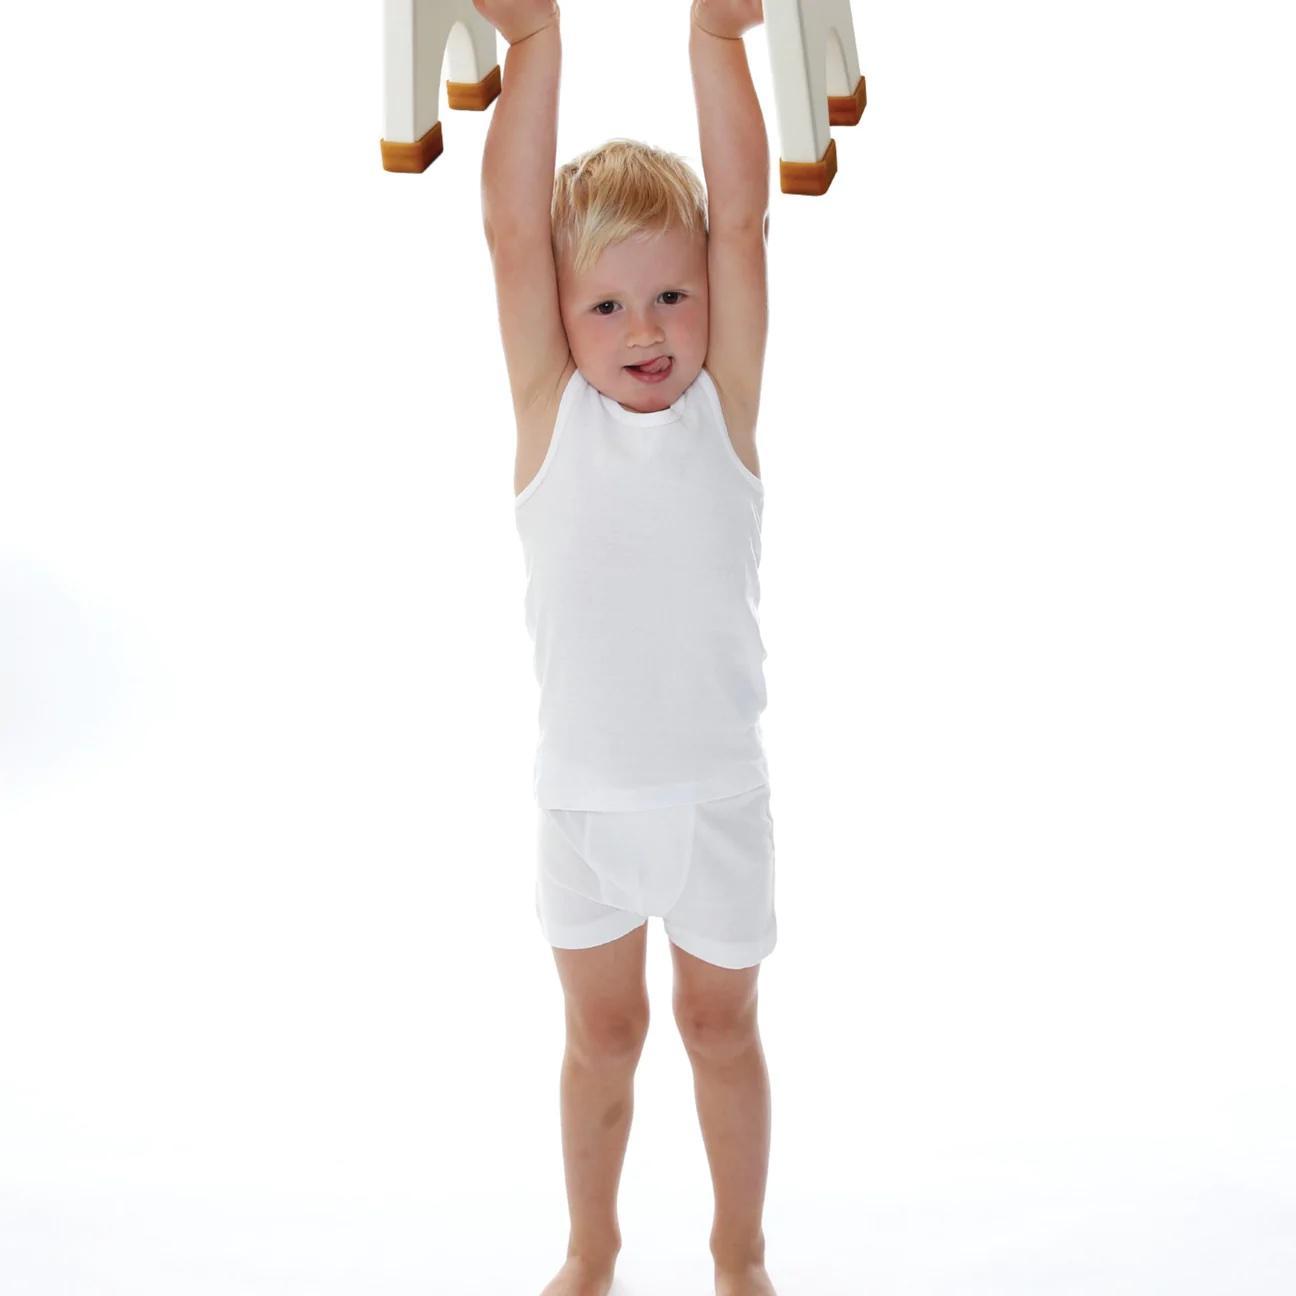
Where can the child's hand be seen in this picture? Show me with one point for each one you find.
(727, 18)
(515, 20)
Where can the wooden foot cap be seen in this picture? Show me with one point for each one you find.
(475, 95)
(809, 177)
(846, 110)
(418, 156)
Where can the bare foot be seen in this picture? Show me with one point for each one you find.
(582, 1277)
(752, 1280)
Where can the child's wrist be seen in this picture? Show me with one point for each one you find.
(709, 32)
(538, 30)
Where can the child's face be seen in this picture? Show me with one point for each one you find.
(644, 297)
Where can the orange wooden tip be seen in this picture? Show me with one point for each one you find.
(846, 110)
(809, 177)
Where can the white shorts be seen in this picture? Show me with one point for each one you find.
(706, 868)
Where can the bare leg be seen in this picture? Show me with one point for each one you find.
(607, 1022)
(715, 1009)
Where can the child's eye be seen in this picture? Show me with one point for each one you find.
(670, 292)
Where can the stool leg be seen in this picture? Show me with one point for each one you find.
(817, 83)
(418, 36)
(474, 81)
(846, 93)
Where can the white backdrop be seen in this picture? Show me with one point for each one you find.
(275, 1011)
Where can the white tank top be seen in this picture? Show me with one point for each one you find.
(641, 535)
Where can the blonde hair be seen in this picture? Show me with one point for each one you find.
(617, 190)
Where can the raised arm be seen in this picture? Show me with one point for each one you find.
(735, 162)
(518, 159)
(735, 149)
(517, 189)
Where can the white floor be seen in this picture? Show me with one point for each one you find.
(1221, 1239)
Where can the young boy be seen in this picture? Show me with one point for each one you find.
(638, 501)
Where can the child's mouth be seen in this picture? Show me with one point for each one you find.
(656, 371)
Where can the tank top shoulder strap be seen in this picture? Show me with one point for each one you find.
(572, 394)
(712, 414)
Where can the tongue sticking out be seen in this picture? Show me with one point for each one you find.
(655, 366)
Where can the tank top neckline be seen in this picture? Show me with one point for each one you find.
(640, 418)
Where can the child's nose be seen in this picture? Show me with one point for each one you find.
(644, 330)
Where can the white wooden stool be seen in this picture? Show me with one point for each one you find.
(815, 66)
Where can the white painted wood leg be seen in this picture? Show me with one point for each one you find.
(817, 83)
(418, 36)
